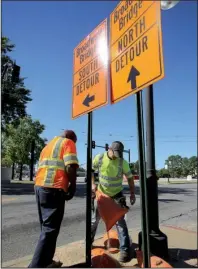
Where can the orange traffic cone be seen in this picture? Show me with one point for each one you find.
(109, 210)
(156, 262)
(111, 241)
(100, 259)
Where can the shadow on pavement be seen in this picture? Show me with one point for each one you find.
(26, 188)
(78, 265)
(179, 258)
(169, 200)
(162, 190)
(17, 189)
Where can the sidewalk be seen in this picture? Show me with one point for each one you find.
(182, 248)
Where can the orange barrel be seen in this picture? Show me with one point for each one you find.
(111, 241)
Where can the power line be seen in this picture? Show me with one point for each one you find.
(134, 136)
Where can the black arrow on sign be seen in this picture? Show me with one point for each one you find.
(132, 77)
(88, 100)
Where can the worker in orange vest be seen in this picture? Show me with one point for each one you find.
(55, 182)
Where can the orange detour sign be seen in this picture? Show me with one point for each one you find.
(135, 47)
(90, 72)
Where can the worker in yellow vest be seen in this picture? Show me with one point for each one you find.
(55, 183)
(111, 167)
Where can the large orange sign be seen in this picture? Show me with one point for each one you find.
(136, 47)
(90, 72)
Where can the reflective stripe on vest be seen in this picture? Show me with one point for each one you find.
(108, 178)
(51, 171)
(54, 163)
(70, 158)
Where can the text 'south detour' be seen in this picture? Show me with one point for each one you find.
(90, 72)
(136, 47)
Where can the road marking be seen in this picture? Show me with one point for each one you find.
(179, 229)
(4, 200)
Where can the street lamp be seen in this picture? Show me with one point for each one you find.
(165, 5)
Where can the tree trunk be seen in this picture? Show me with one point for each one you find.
(13, 166)
(21, 172)
(32, 161)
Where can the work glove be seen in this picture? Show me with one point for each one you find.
(71, 192)
(132, 199)
(122, 202)
(93, 191)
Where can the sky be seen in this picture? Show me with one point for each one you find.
(45, 34)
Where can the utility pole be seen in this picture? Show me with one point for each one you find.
(129, 151)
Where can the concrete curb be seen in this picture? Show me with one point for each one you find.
(29, 257)
(22, 262)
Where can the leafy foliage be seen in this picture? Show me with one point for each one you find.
(176, 167)
(17, 145)
(14, 96)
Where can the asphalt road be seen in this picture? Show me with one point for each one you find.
(20, 227)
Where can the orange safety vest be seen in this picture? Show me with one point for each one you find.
(58, 153)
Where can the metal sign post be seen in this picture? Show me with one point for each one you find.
(88, 197)
(143, 190)
(158, 240)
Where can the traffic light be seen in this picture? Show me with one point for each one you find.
(15, 73)
(106, 147)
(93, 144)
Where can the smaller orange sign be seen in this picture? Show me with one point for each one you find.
(136, 47)
(90, 72)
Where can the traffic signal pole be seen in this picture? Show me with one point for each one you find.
(158, 240)
(107, 147)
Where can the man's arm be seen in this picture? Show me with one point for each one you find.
(95, 166)
(128, 174)
(71, 165)
(71, 170)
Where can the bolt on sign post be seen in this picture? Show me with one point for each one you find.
(136, 59)
(136, 47)
(89, 93)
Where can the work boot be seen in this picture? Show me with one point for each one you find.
(55, 264)
(125, 256)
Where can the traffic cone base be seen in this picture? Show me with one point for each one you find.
(101, 259)
(111, 241)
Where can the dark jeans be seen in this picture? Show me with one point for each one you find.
(121, 226)
(51, 206)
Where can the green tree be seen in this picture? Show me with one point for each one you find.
(14, 96)
(193, 165)
(174, 163)
(182, 167)
(185, 167)
(19, 141)
(163, 173)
